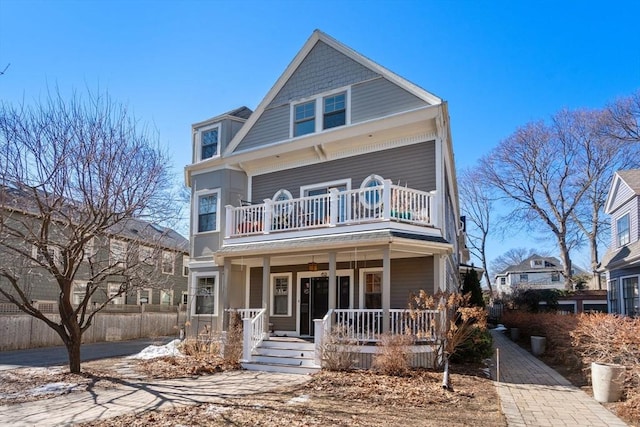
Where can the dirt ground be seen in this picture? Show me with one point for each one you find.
(330, 398)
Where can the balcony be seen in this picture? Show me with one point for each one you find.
(381, 203)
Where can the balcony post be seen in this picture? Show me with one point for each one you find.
(386, 288)
(229, 221)
(333, 207)
(266, 216)
(386, 199)
(332, 280)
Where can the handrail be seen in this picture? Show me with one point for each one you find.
(253, 331)
(367, 324)
(383, 203)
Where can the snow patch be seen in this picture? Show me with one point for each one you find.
(216, 409)
(500, 327)
(53, 388)
(155, 351)
(299, 399)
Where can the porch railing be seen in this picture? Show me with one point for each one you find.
(253, 330)
(367, 325)
(385, 202)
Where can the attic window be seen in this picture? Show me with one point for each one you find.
(209, 142)
(305, 119)
(334, 111)
(322, 112)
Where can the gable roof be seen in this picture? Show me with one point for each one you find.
(319, 36)
(626, 182)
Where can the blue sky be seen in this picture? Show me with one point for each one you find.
(499, 64)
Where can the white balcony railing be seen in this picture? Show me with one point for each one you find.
(382, 203)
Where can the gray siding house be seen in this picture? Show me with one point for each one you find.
(622, 260)
(337, 194)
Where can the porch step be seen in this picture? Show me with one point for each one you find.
(284, 355)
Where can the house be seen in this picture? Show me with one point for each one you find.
(335, 199)
(538, 272)
(157, 252)
(621, 262)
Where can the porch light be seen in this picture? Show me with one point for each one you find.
(312, 266)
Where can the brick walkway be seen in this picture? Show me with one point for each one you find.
(533, 394)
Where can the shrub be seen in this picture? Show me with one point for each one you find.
(233, 342)
(337, 354)
(394, 355)
(477, 347)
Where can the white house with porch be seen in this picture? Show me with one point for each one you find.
(330, 204)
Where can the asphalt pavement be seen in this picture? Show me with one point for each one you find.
(54, 356)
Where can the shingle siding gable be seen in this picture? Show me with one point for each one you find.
(322, 70)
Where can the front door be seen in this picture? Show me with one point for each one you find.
(314, 299)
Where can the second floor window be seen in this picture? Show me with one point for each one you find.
(209, 142)
(334, 111)
(622, 226)
(118, 253)
(305, 118)
(168, 262)
(207, 212)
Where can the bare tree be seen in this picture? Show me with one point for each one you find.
(544, 171)
(606, 154)
(476, 203)
(622, 118)
(73, 174)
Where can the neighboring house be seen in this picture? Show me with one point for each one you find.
(157, 250)
(337, 194)
(621, 262)
(535, 272)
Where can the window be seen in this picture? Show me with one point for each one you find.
(305, 118)
(145, 255)
(209, 142)
(206, 294)
(166, 297)
(282, 195)
(503, 280)
(89, 250)
(524, 277)
(613, 296)
(373, 289)
(40, 255)
(185, 265)
(334, 111)
(78, 293)
(118, 253)
(113, 289)
(281, 294)
(372, 194)
(168, 262)
(555, 277)
(207, 211)
(622, 227)
(145, 296)
(630, 295)
(185, 298)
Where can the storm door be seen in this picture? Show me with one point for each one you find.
(314, 299)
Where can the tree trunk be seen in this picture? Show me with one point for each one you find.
(73, 349)
(566, 263)
(594, 260)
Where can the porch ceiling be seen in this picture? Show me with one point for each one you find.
(348, 247)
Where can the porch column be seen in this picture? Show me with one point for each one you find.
(224, 293)
(332, 280)
(266, 270)
(386, 288)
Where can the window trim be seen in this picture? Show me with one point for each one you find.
(185, 265)
(56, 255)
(619, 241)
(173, 262)
(281, 192)
(523, 277)
(362, 285)
(199, 133)
(146, 260)
(194, 292)
(364, 186)
(196, 215)
(166, 292)
(272, 293)
(149, 292)
(318, 99)
(77, 284)
(119, 300)
(623, 297)
(112, 261)
(324, 112)
(613, 290)
(321, 185)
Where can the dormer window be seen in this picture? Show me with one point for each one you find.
(209, 142)
(326, 111)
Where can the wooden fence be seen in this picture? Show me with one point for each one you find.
(21, 331)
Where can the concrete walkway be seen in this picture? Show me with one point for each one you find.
(533, 394)
(134, 396)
